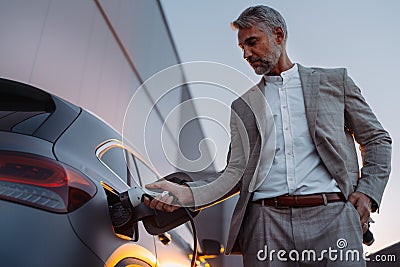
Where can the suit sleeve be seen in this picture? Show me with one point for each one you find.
(374, 141)
(213, 189)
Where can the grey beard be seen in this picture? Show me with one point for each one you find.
(270, 60)
(265, 67)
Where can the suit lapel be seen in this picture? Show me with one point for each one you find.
(258, 106)
(310, 84)
(266, 128)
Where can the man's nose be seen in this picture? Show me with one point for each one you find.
(246, 53)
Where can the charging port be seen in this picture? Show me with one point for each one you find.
(121, 217)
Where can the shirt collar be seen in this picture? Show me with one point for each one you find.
(284, 75)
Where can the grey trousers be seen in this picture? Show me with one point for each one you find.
(328, 235)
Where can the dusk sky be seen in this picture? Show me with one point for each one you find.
(361, 35)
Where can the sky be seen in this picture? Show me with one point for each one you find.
(361, 35)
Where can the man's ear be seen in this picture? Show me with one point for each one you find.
(279, 35)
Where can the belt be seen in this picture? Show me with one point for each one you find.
(298, 201)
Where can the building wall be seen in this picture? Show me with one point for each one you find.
(94, 53)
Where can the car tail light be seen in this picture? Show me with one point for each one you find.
(42, 183)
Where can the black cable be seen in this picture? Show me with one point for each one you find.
(175, 201)
(194, 256)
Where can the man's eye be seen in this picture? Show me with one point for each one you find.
(252, 43)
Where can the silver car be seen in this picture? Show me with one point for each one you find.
(61, 172)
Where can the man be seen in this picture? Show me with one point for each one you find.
(304, 200)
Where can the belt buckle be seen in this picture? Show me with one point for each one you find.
(277, 206)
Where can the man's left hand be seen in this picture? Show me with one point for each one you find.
(363, 204)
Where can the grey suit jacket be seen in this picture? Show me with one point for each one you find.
(337, 115)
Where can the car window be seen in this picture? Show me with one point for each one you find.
(122, 163)
(27, 122)
(145, 173)
(132, 166)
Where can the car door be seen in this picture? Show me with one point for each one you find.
(175, 246)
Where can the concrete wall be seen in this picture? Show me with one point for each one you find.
(94, 53)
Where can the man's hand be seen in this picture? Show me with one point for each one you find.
(363, 204)
(164, 202)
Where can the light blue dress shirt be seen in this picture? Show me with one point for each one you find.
(297, 168)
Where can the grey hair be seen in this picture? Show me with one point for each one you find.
(266, 18)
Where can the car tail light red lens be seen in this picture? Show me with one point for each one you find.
(42, 182)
